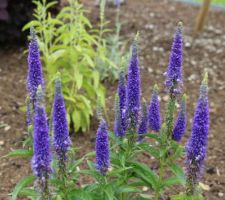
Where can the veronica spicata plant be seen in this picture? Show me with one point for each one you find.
(41, 161)
(61, 138)
(120, 107)
(114, 168)
(133, 89)
(35, 75)
(143, 126)
(154, 111)
(102, 148)
(181, 122)
(197, 144)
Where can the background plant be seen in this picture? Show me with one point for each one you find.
(67, 45)
(112, 44)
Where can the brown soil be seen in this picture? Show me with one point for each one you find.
(156, 21)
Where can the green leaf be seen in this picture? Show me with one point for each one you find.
(76, 119)
(182, 196)
(51, 4)
(109, 192)
(173, 180)
(31, 24)
(127, 189)
(89, 60)
(79, 80)
(58, 197)
(96, 78)
(20, 153)
(145, 197)
(29, 193)
(23, 183)
(178, 172)
(153, 151)
(154, 136)
(146, 174)
(79, 194)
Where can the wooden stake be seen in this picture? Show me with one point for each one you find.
(202, 16)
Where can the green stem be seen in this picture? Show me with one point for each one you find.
(124, 196)
(161, 176)
(103, 182)
(45, 194)
(165, 144)
(62, 175)
(156, 195)
(169, 115)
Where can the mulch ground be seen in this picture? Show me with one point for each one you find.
(156, 21)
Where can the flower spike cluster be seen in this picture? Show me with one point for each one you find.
(181, 122)
(143, 126)
(34, 77)
(174, 70)
(102, 148)
(41, 161)
(122, 101)
(154, 111)
(133, 89)
(197, 144)
(61, 139)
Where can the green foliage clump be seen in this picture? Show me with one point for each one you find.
(113, 45)
(67, 45)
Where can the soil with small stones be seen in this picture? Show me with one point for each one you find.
(156, 21)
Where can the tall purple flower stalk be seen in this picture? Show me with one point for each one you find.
(102, 148)
(61, 139)
(41, 161)
(143, 126)
(122, 103)
(174, 70)
(118, 129)
(34, 77)
(181, 122)
(197, 144)
(133, 89)
(154, 111)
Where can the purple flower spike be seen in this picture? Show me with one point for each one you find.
(41, 161)
(174, 70)
(61, 138)
(34, 77)
(181, 123)
(122, 101)
(154, 111)
(118, 129)
(133, 89)
(197, 144)
(102, 148)
(29, 112)
(117, 3)
(143, 126)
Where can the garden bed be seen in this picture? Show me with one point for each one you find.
(156, 21)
